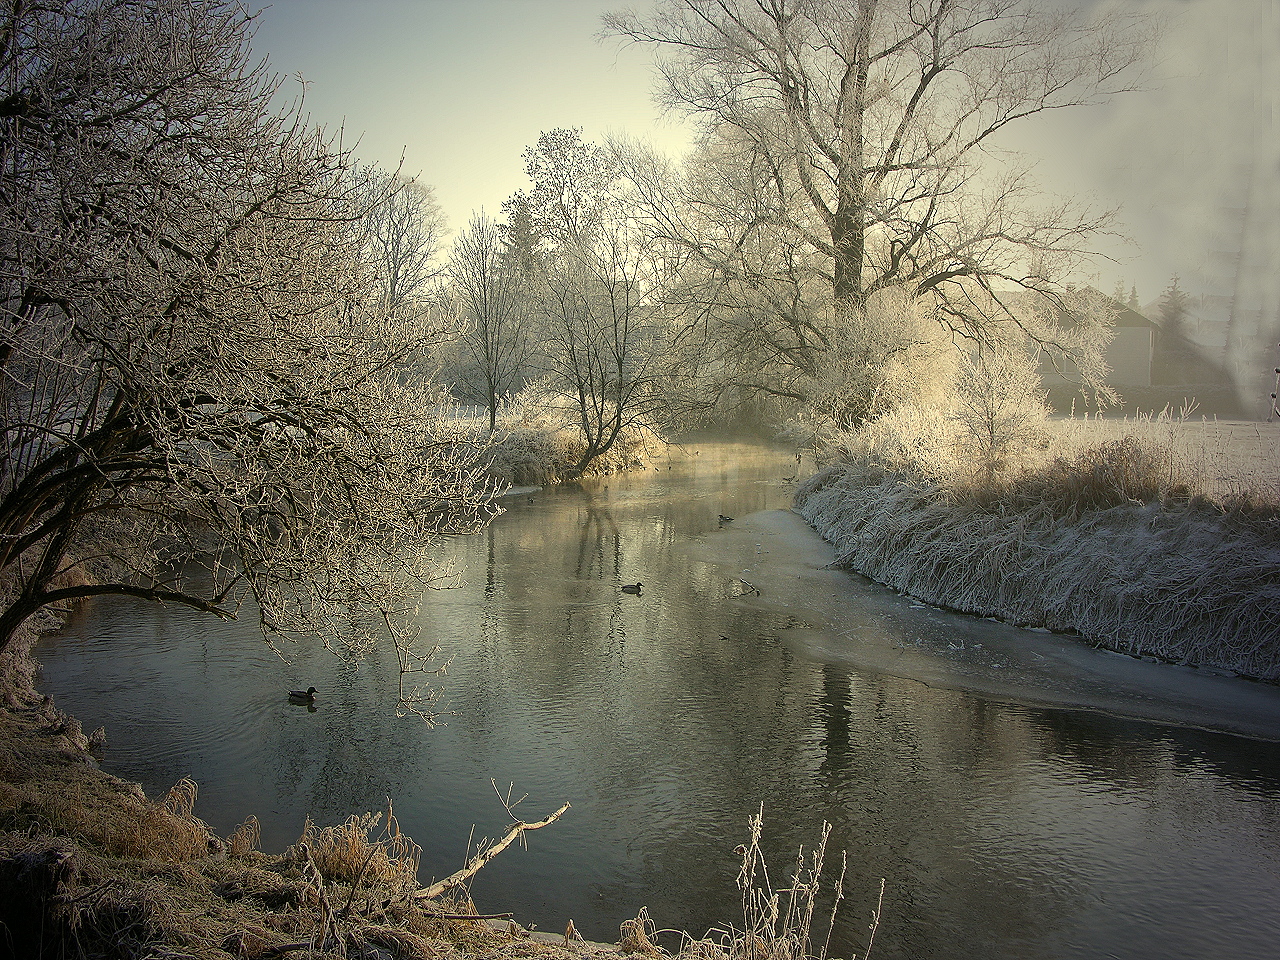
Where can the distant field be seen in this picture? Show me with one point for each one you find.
(1221, 458)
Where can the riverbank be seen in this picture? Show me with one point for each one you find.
(1185, 581)
(844, 618)
(92, 867)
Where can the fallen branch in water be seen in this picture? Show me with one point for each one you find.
(472, 868)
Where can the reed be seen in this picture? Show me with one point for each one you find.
(778, 923)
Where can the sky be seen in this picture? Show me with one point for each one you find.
(459, 88)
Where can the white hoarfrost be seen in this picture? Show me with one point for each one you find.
(1188, 584)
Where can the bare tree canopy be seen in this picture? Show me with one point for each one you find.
(852, 147)
(489, 293)
(404, 231)
(600, 282)
(195, 357)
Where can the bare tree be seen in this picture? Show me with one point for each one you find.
(489, 292)
(194, 359)
(600, 288)
(405, 229)
(844, 151)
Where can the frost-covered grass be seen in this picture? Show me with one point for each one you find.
(538, 441)
(1226, 460)
(1141, 541)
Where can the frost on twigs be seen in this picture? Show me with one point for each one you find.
(211, 390)
(777, 923)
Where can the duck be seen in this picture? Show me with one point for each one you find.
(633, 588)
(303, 696)
(724, 519)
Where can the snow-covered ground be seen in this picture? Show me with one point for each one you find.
(845, 618)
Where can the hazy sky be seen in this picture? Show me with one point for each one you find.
(461, 87)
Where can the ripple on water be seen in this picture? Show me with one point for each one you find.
(666, 720)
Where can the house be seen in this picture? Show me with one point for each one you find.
(1150, 368)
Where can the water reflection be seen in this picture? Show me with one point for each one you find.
(667, 719)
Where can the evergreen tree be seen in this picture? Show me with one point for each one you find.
(1174, 308)
(1133, 298)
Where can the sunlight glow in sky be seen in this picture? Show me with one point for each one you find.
(461, 87)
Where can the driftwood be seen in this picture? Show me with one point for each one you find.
(480, 859)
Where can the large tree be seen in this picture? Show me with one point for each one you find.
(195, 357)
(848, 147)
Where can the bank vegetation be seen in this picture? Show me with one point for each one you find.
(1124, 539)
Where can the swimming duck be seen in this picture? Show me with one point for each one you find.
(632, 588)
(303, 696)
(724, 519)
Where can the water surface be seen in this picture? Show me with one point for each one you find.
(1003, 829)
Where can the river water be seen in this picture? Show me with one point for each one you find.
(1003, 827)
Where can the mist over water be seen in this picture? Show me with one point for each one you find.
(1002, 830)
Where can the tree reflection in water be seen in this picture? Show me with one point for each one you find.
(666, 719)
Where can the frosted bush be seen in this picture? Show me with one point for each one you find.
(1000, 415)
(538, 441)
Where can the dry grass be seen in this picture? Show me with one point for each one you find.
(778, 923)
(89, 867)
(1224, 461)
(347, 853)
(43, 786)
(1115, 542)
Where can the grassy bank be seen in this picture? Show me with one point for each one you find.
(91, 867)
(1119, 539)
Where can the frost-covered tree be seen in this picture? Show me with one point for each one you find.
(606, 342)
(196, 359)
(1000, 412)
(404, 232)
(490, 294)
(847, 150)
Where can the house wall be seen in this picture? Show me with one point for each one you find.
(1129, 357)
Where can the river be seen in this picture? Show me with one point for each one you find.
(1022, 795)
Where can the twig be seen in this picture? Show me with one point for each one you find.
(472, 916)
(472, 868)
(875, 921)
